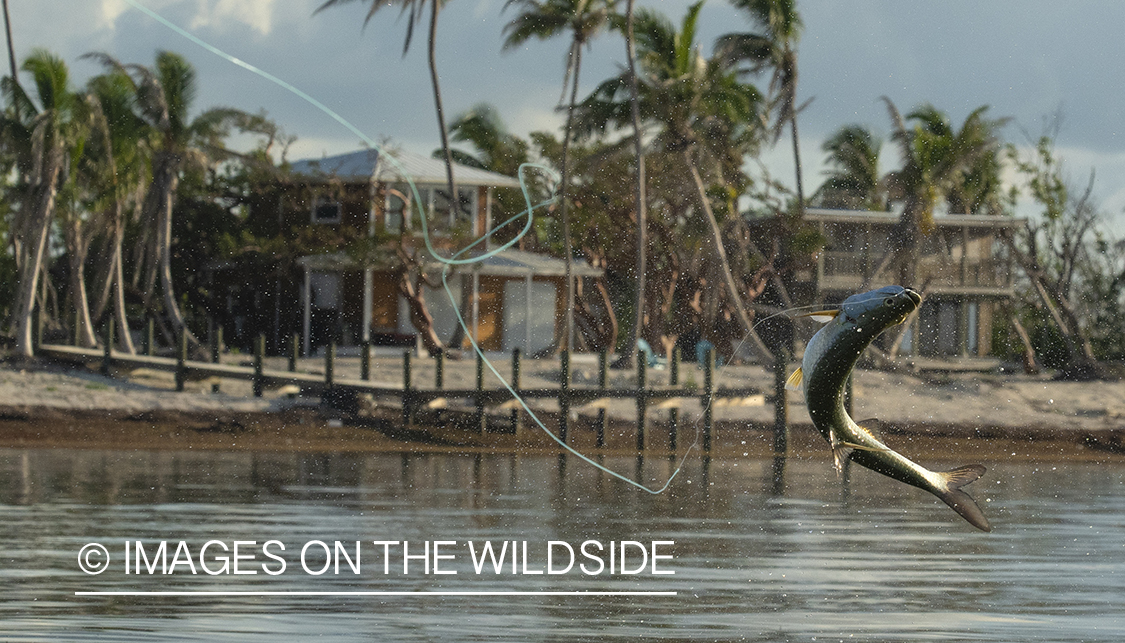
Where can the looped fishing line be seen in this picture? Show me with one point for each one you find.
(459, 258)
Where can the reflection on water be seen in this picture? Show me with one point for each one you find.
(762, 552)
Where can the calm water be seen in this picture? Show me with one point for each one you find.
(811, 561)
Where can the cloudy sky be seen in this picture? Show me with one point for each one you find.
(1026, 60)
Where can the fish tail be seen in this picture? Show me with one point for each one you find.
(960, 501)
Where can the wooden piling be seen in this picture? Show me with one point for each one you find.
(603, 413)
(365, 361)
(439, 370)
(330, 364)
(516, 424)
(150, 335)
(216, 349)
(294, 351)
(708, 398)
(780, 402)
(642, 400)
(181, 357)
(480, 421)
(564, 395)
(407, 397)
(674, 412)
(108, 339)
(259, 359)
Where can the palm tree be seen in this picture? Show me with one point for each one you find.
(704, 113)
(853, 178)
(414, 10)
(936, 159)
(775, 48)
(48, 138)
(119, 172)
(545, 19)
(164, 96)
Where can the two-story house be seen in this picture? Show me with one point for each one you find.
(963, 269)
(510, 300)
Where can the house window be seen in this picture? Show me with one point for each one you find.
(325, 211)
(466, 206)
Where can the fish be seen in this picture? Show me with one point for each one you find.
(829, 358)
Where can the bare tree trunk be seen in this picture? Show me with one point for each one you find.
(454, 202)
(640, 196)
(420, 316)
(11, 46)
(77, 250)
(760, 348)
(37, 228)
(564, 216)
(119, 298)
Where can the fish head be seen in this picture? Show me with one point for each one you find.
(881, 308)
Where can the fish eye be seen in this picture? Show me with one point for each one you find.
(888, 301)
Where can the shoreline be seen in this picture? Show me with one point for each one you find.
(310, 430)
(52, 405)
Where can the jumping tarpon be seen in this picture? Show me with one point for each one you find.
(829, 358)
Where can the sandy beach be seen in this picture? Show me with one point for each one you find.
(47, 404)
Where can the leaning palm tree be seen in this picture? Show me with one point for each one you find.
(414, 10)
(773, 49)
(544, 19)
(640, 195)
(48, 137)
(164, 94)
(119, 174)
(704, 115)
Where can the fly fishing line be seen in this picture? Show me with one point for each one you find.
(462, 256)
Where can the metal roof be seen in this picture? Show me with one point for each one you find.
(508, 263)
(366, 165)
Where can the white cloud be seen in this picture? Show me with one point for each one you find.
(257, 14)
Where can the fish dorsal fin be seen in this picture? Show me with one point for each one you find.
(794, 381)
(958, 478)
(822, 316)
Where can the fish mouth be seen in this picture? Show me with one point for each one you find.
(913, 295)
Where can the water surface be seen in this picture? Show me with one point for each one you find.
(809, 559)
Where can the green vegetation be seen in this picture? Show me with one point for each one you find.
(119, 195)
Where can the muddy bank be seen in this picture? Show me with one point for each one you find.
(315, 430)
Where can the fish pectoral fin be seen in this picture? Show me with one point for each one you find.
(822, 316)
(860, 447)
(794, 381)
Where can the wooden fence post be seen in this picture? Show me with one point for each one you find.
(150, 335)
(365, 361)
(259, 358)
(181, 357)
(481, 423)
(708, 397)
(294, 350)
(642, 400)
(564, 395)
(216, 349)
(603, 413)
(407, 396)
(516, 424)
(108, 356)
(780, 402)
(674, 412)
(330, 364)
(439, 370)
(36, 329)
